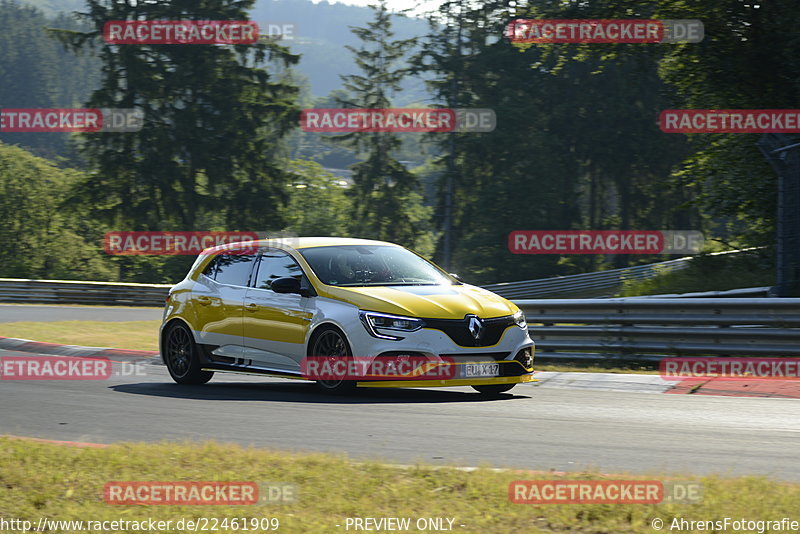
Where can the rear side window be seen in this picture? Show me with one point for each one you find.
(233, 269)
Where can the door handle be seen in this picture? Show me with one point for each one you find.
(251, 306)
(205, 301)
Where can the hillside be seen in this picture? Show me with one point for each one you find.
(322, 30)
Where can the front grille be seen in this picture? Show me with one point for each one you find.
(477, 356)
(458, 330)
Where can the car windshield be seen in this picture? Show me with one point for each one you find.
(372, 265)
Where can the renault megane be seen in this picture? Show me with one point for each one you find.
(273, 307)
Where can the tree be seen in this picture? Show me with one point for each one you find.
(387, 204)
(37, 72)
(748, 60)
(318, 204)
(213, 118)
(40, 236)
(576, 145)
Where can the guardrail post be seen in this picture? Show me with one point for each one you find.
(783, 155)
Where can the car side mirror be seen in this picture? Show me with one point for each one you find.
(458, 278)
(286, 284)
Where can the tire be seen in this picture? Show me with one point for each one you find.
(329, 342)
(181, 358)
(493, 389)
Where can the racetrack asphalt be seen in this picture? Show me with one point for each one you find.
(44, 313)
(536, 427)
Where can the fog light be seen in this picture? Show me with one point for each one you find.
(525, 358)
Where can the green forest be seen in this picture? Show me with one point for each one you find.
(577, 144)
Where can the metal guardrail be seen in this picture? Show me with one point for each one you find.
(598, 284)
(591, 285)
(754, 292)
(639, 329)
(635, 329)
(75, 292)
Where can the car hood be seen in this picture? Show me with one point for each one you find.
(434, 302)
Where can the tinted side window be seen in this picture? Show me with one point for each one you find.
(275, 265)
(234, 269)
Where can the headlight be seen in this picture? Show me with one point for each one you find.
(376, 323)
(519, 319)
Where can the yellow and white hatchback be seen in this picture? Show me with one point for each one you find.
(276, 307)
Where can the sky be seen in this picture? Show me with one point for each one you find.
(416, 6)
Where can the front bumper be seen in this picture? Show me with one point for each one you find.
(441, 350)
(448, 383)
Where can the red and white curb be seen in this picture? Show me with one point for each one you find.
(54, 349)
(634, 383)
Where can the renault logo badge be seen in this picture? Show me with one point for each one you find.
(475, 327)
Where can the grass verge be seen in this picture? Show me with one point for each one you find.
(133, 335)
(65, 483)
(707, 272)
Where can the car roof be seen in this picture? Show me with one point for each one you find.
(298, 243)
(308, 242)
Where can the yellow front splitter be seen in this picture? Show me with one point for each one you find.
(447, 383)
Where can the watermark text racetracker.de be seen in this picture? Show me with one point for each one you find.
(561, 491)
(277, 31)
(396, 367)
(605, 242)
(68, 120)
(66, 368)
(399, 120)
(173, 32)
(198, 493)
(595, 31)
(172, 243)
(730, 368)
(730, 121)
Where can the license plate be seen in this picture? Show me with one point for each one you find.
(472, 370)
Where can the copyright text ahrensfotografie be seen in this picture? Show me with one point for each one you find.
(733, 524)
